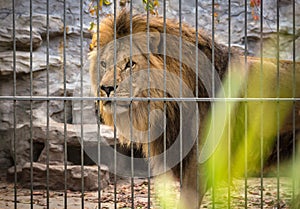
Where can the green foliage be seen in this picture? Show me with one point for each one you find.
(151, 6)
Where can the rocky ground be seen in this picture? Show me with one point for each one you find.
(124, 198)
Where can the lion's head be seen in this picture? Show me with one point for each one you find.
(138, 69)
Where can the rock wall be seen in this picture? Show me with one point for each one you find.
(237, 26)
(37, 75)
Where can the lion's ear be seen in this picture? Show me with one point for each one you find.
(154, 41)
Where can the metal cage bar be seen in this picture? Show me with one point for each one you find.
(48, 111)
(261, 84)
(229, 111)
(278, 105)
(64, 102)
(14, 101)
(246, 107)
(31, 99)
(213, 172)
(294, 95)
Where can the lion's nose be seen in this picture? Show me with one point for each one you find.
(107, 89)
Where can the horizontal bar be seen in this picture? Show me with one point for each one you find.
(183, 99)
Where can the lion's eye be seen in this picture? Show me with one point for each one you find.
(127, 66)
(103, 64)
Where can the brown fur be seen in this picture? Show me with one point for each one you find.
(191, 195)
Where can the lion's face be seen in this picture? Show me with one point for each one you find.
(135, 76)
(120, 81)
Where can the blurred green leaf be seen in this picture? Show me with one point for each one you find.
(106, 2)
(92, 24)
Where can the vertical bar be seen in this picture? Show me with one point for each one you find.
(48, 112)
(131, 130)
(149, 95)
(98, 116)
(294, 102)
(81, 105)
(246, 107)
(99, 148)
(278, 106)
(180, 93)
(229, 110)
(165, 79)
(98, 140)
(165, 89)
(197, 95)
(31, 118)
(213, 95)
(14, 102)
(99, 156)
(65, 111)
(114, 103)
(261, 109)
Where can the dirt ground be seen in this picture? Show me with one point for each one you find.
(124, 190)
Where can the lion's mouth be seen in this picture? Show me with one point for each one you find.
(106, 103)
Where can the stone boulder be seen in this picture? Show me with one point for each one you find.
(57, 175)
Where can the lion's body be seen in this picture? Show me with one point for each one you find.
(131, 78)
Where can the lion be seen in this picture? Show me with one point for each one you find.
(149, 94)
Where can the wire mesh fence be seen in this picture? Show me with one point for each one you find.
(149, 104)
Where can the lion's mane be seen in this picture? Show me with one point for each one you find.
(156, 24)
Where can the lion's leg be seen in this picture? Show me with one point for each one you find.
(193, 190)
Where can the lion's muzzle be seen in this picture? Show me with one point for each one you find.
(108, 89)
